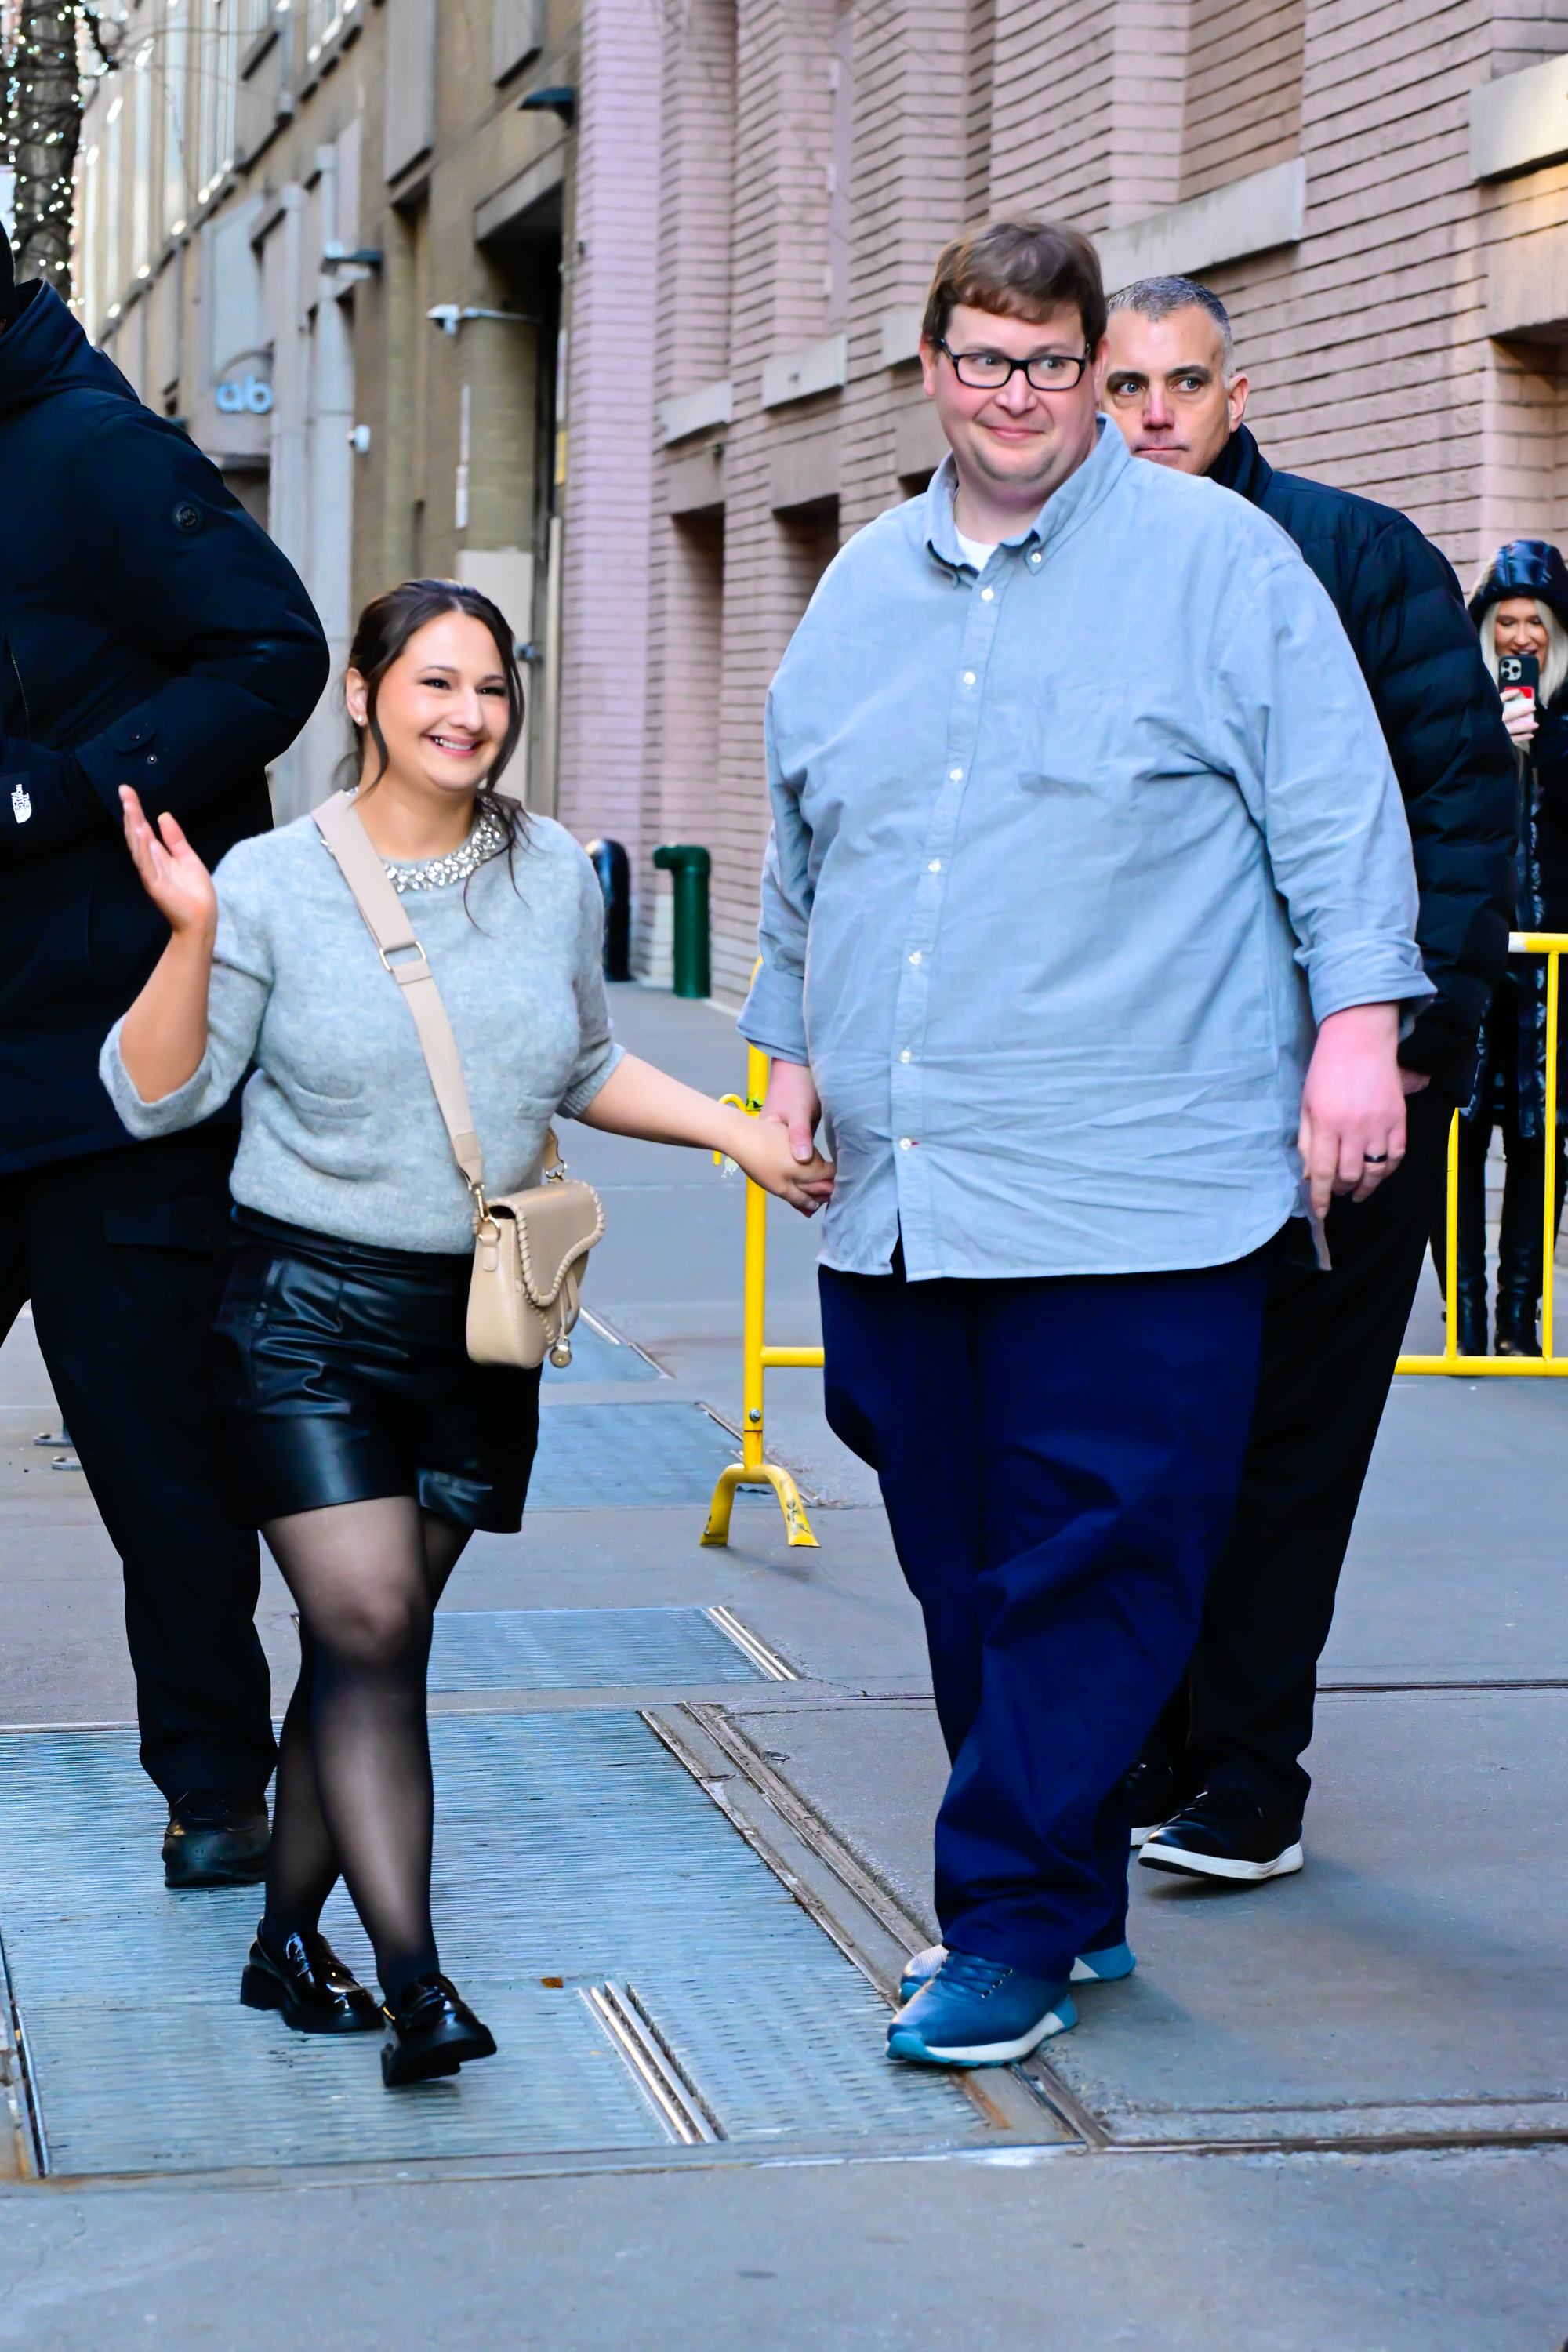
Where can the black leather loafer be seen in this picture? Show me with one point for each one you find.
(310, 1985)
(432, 2031)
(215, 1837)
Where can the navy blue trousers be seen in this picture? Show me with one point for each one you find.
(1059, 1461)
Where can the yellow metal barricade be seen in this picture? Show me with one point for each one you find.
(758, 1358)
(1552, 945)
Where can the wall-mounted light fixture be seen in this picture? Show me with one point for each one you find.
(559, 100)
(450, 316)
(336, 256)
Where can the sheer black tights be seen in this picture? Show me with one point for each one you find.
(353, 1790)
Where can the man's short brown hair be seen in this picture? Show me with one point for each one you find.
(1022, 270)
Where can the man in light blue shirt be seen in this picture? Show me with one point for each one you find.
(1088, 922)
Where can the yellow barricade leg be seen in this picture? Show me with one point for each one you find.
(767, 1474)
(1549, 1240)
(1550, 944)
(752, 1469)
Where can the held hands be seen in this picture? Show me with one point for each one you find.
(1352, 1105)
(791, 1109)
(1519, 716)
(768, 1158)
(172, 874)
(638, 1099)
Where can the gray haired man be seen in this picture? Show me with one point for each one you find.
(1220, 1791)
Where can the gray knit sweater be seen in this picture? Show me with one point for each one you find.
(342, 1132)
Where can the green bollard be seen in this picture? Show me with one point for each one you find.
(689, 868)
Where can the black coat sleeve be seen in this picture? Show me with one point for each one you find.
(46, 802)
(1451, 752)
(173, 561)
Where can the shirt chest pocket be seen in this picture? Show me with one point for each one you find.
(1076, 742)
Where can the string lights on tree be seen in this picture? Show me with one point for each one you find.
(40, 118)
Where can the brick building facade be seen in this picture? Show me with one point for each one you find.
(329, 237)
(733, 233)
(1378, 191)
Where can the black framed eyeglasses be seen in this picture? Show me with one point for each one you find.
(989, 371)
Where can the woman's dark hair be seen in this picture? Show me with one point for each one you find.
(385, 627)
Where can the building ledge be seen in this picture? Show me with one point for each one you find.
(1519, 120)
(506, 214)
(694, 412)
(1527, 288)
(798, 375)
(900, 331)
(694, 485)
(1249, 216)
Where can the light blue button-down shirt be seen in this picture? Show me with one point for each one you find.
(1068, 858)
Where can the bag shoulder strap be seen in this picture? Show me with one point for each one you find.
(387, 920)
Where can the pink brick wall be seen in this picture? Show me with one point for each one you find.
(611, 312)
(1366, 343)
(1242, 109)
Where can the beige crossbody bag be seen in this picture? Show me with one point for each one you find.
(530, 1248)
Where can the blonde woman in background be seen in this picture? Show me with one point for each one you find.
(1519, 606)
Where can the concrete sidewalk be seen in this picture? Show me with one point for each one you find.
(1323, 2112)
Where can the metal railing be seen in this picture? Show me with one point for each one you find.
(757, 1358)
(1552, 946)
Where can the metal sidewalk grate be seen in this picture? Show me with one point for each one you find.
(583, 1649)
(626, 1455)
(569, 1847)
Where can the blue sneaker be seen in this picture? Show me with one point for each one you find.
(976, 2012)
(1107, 1967)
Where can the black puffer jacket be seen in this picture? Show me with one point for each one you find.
(152, 632)
(1442, 719)
(1533, 568)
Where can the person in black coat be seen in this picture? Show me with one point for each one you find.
(1220, 1790)
(1519, 606)
(152, 635)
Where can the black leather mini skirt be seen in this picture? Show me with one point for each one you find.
(343, 1375)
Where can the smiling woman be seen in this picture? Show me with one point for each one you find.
(364, 1441)
(434, 694)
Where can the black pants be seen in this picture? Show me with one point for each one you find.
(121, 1253)
(1330, 1345)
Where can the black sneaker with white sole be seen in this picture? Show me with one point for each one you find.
(1153, 1794)
(1225, 1834)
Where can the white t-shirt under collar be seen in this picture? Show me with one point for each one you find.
(977, 551)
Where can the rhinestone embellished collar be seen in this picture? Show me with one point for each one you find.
(486, 840)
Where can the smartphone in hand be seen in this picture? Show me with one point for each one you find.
(1519, 674)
